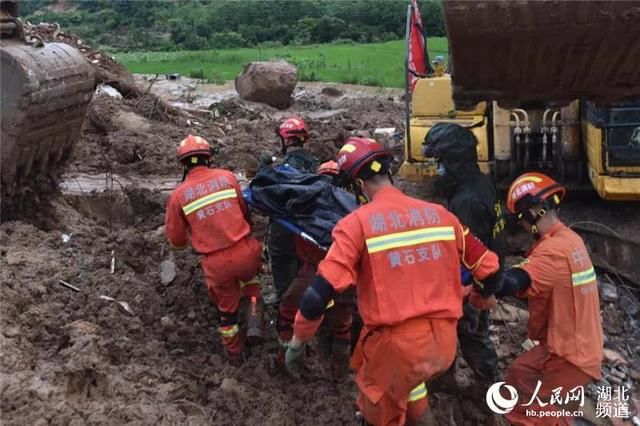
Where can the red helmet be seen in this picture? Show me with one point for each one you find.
(293, 130)
(362, 158)
(328, 168)
(193, 145)
(530, 189)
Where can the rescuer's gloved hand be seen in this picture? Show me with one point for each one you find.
(293, 357)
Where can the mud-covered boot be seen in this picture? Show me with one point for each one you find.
(279, 364)
(445, 383)
(255, 322)
(235, 359)
(340, 355)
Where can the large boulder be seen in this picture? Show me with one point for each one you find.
(269, 82)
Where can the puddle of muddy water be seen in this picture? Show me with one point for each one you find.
(191, 93)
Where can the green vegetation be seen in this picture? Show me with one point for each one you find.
(378, 64)
(119, 25)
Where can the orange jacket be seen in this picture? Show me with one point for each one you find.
(403, 255)
(564, 306)
(208, 207)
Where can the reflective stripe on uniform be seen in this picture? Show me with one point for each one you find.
(228, 331)
(209, 199)
(583, 277)
(175, 247)
(410, 238)
(418, 392)
(253, 281)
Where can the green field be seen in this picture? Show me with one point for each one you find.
(376, 64)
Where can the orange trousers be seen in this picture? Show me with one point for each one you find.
(231, 274)
(539, 365)
(393, 361)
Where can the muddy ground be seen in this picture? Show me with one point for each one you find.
(72, 357)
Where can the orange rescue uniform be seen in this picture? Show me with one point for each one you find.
(564, 316)
(404, 256)
(208, 209)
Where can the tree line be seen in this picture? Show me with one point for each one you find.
(213, 24)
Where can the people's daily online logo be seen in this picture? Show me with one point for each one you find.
(612, 401)
(499, 404)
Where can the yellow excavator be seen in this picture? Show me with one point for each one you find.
(45, 90)
(548, 86)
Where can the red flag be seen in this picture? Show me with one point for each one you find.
(417, 52)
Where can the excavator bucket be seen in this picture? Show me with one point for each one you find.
(45, 91)
(519, 52)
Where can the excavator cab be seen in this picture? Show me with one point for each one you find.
(613, 150)
(45, 91)
(544, 86)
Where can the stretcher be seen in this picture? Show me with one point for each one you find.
(294, 229)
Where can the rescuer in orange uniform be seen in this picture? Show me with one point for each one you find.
(560, 284)
(208, 209)
(403, 255)
(336, 329)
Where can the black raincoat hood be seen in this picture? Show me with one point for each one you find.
(455, 147)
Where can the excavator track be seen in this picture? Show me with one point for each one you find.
(611, 251)
(610, 230)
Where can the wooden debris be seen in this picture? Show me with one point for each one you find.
(124, 305)
(67, 285)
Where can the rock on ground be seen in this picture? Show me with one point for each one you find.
(268, 82)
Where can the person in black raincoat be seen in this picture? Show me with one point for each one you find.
(280, 243)
(472, 197)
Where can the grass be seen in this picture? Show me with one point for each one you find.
(375, 64)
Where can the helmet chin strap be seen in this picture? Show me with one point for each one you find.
(360, 194)
(186, 168)
(533, 218)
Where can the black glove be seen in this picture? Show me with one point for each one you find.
(490, 285)
(513, 281)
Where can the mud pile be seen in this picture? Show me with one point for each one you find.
(132, 136)
(74, 357)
